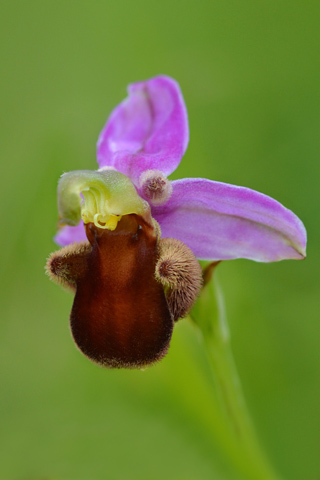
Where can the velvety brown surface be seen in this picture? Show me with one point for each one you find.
(120, 316)
(180, 273)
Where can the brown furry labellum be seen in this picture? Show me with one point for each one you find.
(129, 288)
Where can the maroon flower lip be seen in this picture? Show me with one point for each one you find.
(120, 316)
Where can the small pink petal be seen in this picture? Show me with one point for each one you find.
(67, 235)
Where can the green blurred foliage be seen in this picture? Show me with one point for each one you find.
(250, 74)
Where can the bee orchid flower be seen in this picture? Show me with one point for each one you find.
(130, 236)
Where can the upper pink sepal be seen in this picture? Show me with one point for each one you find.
(147, 131)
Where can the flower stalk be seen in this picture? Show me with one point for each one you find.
(209, 315)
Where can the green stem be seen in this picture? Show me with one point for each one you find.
(209, 314)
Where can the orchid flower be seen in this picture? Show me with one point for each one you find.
(131, 236)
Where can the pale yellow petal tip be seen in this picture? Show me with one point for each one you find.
(299, 249)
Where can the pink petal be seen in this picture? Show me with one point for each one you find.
(148, 130)
(219, 221)
(68, 235)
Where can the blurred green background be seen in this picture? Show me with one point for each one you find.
(250, 75)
